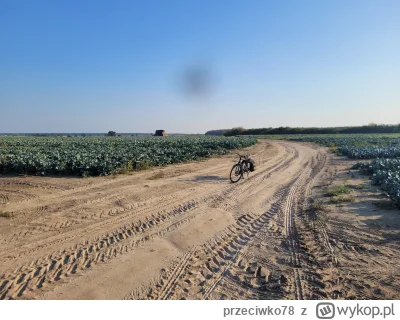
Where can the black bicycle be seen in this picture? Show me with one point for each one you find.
(244, 165)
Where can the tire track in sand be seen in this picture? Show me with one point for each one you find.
(220, 255)
(202, 270)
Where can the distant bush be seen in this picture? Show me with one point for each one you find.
(371, 128)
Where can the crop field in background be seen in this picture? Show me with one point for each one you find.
(94, 156)
(384, 149)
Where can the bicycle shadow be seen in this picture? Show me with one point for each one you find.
(207, 178)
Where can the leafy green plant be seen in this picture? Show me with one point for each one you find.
(128, 167)
(386, 174)
(342, 189)
(85, 174)
(341, 199)
(335, 150)
(144, 165)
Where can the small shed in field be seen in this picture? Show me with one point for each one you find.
(160, 133)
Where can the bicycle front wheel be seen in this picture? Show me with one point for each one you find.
(236, 173)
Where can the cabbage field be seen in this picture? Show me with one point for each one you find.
(384, 149)
(359, 146)
(94, 156)
(385, 173)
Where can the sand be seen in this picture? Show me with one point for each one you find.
(185, 232)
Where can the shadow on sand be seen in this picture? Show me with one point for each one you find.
(208, 178)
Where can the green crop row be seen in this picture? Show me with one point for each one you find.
(355, 146)
(386, 174)
(106, 155)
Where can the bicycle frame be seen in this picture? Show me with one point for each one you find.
(245, 161)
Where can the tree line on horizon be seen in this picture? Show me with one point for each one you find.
(371, 128)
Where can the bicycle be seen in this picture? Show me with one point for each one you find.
(239, 169)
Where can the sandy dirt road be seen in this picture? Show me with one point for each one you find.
(178, 232)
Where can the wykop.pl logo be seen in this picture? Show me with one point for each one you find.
(325, 310)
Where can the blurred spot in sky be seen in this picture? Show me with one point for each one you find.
(196, 82)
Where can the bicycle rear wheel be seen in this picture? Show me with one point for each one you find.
(236, 173)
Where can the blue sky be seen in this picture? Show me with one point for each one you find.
(95, 66)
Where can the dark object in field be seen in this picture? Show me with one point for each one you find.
(160, 133)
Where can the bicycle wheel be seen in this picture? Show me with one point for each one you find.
(236, 173)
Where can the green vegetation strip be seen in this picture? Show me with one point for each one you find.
(94, 156)
(386, 174)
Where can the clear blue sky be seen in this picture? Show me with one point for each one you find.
(94, 66)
